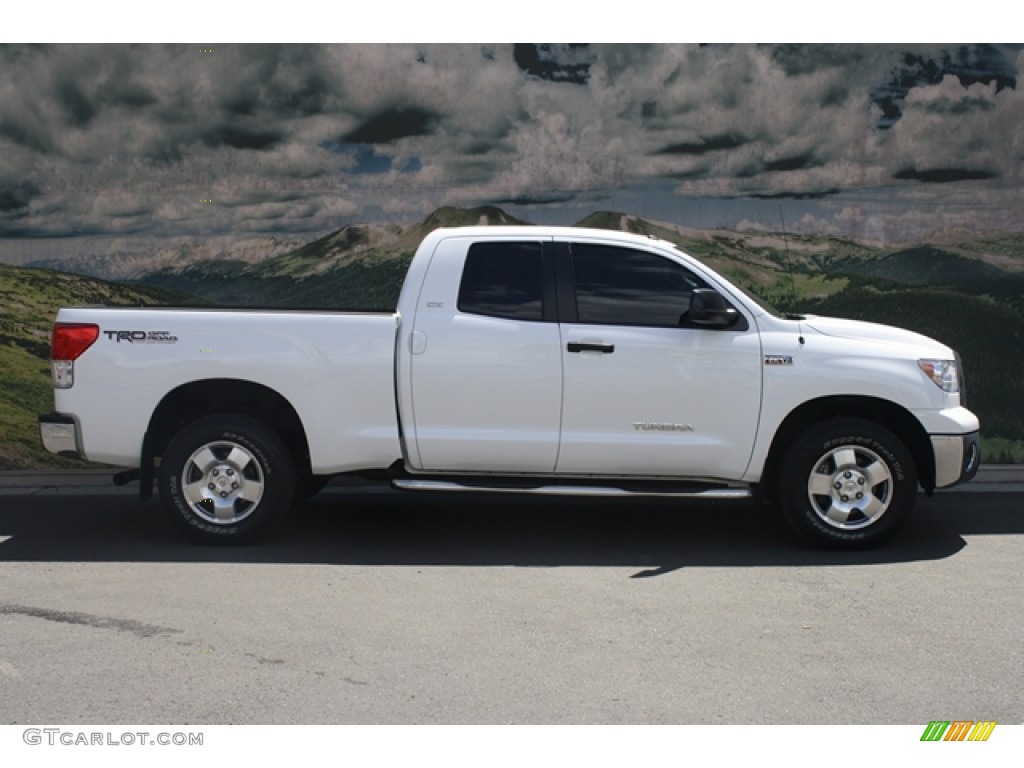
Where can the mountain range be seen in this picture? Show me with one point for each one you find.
(967, 291)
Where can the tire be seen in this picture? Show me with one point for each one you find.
(847, 484)
(226, 479)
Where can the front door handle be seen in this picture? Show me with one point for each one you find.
(579, 346)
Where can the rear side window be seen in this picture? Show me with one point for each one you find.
(503, 280)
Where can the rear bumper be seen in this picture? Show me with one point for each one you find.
(957, 458)
(60, 435)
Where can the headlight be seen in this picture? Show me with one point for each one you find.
(942, 372)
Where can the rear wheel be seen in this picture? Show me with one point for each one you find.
(226, 479)
(848, 483)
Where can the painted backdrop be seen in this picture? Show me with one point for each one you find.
(878, 181)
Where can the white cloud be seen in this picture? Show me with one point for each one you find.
(93, 138)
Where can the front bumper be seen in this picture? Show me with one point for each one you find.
(957, 458)
(59, 434)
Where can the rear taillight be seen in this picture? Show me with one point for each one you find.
(68, 342)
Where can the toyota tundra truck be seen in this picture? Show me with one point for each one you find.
(533, 360)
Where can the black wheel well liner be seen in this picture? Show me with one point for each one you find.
(208, 397)
(884, 413)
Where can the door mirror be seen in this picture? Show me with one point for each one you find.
(709, 310)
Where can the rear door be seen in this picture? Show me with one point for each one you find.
(486, 367)
(646, 392)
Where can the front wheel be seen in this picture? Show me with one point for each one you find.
(226, 479)
(848, 484)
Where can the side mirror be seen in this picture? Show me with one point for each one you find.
(708, 309)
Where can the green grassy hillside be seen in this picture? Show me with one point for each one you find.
(924, 265)
(29, 300)
(359, 285)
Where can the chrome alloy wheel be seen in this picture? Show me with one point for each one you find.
(850, 487)
(222, 482)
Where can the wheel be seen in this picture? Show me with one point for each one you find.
(226, 479)
(848, 483)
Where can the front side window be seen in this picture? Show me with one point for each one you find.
(622, 286)
(503, 280)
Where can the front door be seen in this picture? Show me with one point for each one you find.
(646, 393)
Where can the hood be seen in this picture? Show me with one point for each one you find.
(859, 330)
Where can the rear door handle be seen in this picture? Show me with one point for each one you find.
(579, 346)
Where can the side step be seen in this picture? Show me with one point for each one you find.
(641, 489)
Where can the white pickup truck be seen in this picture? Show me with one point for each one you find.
(522, 359)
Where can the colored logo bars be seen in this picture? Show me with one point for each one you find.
(958, 730)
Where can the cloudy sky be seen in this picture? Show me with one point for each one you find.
(106, 145)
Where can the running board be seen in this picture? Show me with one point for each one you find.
(574, 490)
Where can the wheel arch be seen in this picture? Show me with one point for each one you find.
(884, 413)
(209, 397)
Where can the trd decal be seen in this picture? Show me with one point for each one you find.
(142, 337)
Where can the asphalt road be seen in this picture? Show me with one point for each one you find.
(372, 606)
